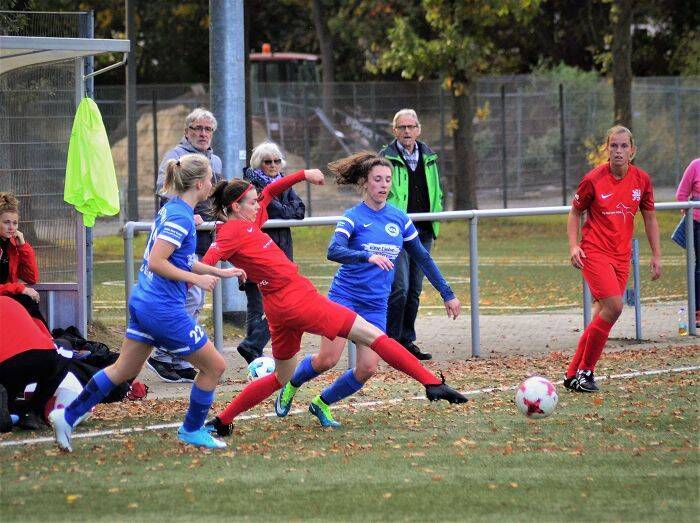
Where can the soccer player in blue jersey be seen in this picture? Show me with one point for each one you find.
(157, 309)
(367, 240)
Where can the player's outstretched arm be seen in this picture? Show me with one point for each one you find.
(158, 263)
(233, 272)
(422, 257)
(575, 251)
(651, 226)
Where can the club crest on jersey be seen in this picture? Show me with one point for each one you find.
(392, 229)
(636, 195)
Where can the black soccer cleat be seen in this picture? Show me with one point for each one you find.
(585, 381)
(571, 383)
(444, 392)
(215, 424)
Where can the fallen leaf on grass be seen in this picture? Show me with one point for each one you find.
(72, 498)
(387, 495)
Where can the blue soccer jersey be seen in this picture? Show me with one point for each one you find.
(368, 232)
(174, 223)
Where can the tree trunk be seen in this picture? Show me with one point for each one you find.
(621, 49)
(464, 167)
(325, 43)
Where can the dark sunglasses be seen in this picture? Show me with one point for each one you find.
(278, 161)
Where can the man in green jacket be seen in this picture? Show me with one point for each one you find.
(415, 187)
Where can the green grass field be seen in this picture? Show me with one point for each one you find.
(523, 265)
(629, 453)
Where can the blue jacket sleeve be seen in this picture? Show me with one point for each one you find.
(415, 250)
(338, 251)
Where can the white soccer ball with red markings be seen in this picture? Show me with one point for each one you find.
(536, 397)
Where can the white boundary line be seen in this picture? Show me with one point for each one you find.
(376, 403)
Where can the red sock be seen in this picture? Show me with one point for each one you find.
(578, 355)
(250, 396)
(598, 332)
(398, 357)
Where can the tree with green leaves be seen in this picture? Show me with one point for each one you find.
(462, 46)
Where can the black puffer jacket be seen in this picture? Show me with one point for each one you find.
(286, 206)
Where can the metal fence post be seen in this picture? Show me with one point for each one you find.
(690, 269)
(441, 105)
(218, 317)
(352, 354)
(307, 150)
(129, 265)
(562, 132)
(637, 290)
(503, 147)
(587, 300)
(474, 285)
(154, 119)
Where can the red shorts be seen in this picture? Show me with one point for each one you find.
(605, 276)
(293, 311)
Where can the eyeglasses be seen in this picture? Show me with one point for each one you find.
(200, 128)
(278, 161)
(406, 127)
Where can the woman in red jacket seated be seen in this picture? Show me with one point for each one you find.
(18, 267)
(27, 355)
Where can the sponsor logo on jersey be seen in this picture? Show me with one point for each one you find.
(606, 196)
(263, 283)
(392, 229)
(636, 195)
(191, 259)
(622, 210)
(365, 225)
(384, 249)
(267, 244)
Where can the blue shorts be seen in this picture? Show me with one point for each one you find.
(375, 316)
(174, 331)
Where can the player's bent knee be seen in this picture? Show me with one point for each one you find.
(364, 372)
(324, 362)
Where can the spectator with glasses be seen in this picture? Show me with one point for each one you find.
(266, 166)
(415, 187)
(200, 126)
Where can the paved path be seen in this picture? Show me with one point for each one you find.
(516, 334)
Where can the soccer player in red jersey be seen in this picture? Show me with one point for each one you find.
(290, 301)
(611, 194)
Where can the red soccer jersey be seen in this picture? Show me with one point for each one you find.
(19, 332)
(612, 205)
(244, 245)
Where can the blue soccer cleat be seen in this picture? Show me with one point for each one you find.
(200, 438)
(283, 403)
(322, 411)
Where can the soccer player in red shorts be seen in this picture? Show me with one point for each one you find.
(290, 301)
(611, 194)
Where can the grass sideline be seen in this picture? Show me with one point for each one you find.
(629, 453)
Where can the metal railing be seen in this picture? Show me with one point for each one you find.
(472, 216)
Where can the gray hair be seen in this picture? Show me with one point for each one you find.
(200, 113)
(405, 112)
(263, 151)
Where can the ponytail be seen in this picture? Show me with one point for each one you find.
(183, 173)
(225, 193)
(354, 170)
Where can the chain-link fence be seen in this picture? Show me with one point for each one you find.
(37, 107)
(518, 118)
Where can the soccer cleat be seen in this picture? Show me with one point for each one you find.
(61, 428)
(571, 383)
(200, 438)
(444, 392)
(585, 382)
(5, 418)
(283, 403)
(322, 411)
(216, 425)
(248, 354)
(163, 370)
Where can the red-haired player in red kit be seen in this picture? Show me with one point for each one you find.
(612, 193)
(291, 302)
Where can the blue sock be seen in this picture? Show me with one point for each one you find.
(304, 372)
(346, 385)
(95, 391)
(200, 403)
